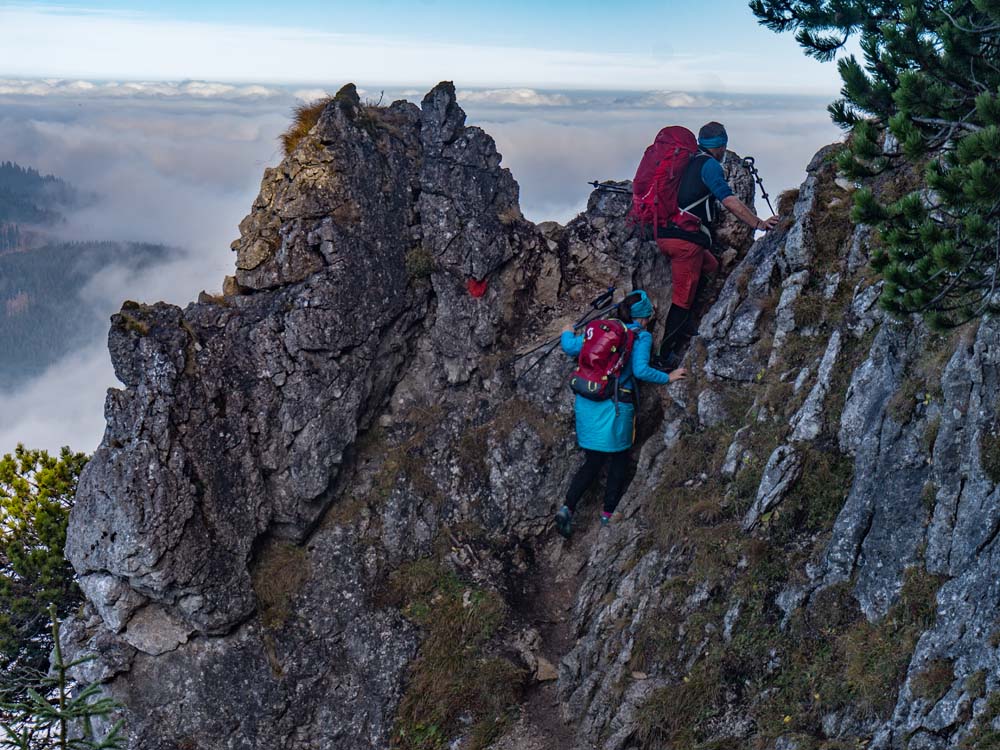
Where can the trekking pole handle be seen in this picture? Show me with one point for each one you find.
(602, 300)
(610, 188)
(750, 163)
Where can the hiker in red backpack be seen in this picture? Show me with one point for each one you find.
(675, 191)
(613, 356)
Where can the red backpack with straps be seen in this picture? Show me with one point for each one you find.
(658, 179)
(606, 347)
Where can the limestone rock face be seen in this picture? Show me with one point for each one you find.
(363, 432)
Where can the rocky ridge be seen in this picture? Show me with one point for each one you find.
(319, 516)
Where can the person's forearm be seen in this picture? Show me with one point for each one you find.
(739, 209)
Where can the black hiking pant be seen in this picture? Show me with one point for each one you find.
(586, 474)
(674, 331)
(679, 326)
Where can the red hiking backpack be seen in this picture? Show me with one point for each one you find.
(658, 179)
(606, 347)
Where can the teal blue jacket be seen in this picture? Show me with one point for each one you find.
(598, 426)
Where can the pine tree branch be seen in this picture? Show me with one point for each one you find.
(954, 124)
(966, 29)
(933, 304)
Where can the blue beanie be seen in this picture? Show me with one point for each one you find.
(643, 308)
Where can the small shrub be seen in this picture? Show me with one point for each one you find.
(930, 434)
(787, 200)
(928, 496)
(672, 716)
(133, 324)
(833, 224)
(798, 350)
(984, 736)
(810, 308)
(510, 215)
(904, 401)
(816, 499)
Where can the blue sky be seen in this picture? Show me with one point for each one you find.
(632, 45)
(555, 23)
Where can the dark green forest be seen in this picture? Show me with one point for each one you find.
(28, 197)
(43, 314)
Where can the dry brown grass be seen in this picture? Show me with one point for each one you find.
(304, 118)
(510, 215)
(786, 201)
(933, 682)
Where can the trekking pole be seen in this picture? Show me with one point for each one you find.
(748, 162)
(609, 188)
(600, 305)
(599, 301)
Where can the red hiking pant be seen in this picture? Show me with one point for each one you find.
(688, 261)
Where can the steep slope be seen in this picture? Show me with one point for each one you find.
(319, 517)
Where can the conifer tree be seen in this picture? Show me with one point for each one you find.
(930, 77)
(36, 494)
(56, 714)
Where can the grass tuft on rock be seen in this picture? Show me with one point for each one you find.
(989, 455)
(932, 682)
(984, 736)
(281, 570)
(420, 263)
(304, 118)
(455, 672)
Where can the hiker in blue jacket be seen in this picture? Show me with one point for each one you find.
(605, 430)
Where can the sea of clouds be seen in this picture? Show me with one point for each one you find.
(180, 164)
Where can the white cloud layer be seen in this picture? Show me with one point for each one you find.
(673, 100)
(135, 89)
(181, 171)
(310, 95)
(514, 97)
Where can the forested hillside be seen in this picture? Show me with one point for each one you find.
(28, 197)
(44, 311)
